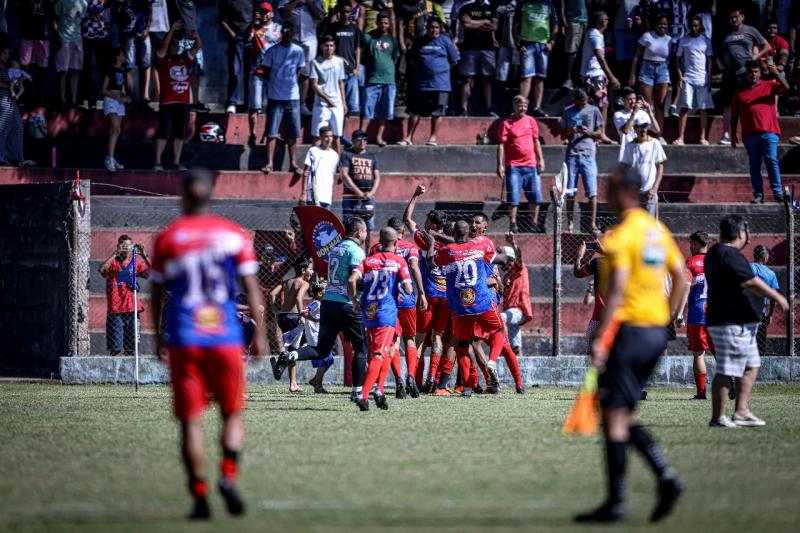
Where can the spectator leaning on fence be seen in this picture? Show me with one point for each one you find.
(596, 73)
(754, 106)
(361, 179)
(520, 161)
(537, 27)
(119, 296)
(646, 157)
(633, 107)
(235, 17)
(764, 306)
(381, 52)
(694, 67)
(733, 322)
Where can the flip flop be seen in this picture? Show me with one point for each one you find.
(431, 143)
(266, 170)
(405, 143)
(381, 145)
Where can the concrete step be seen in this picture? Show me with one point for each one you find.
(155, 212)
(454, 130)
(692, 159)
(675, 188)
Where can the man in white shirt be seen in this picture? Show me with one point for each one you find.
(633, 107)
(319, 171)
(327, 75)
(693, 62)
(646, 156)
(595, 71)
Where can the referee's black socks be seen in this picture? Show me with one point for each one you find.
(643, 442)
(615, 457)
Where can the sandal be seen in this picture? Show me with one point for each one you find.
(678, 142)
(431, 143)
(704, 142)
(405, 143)
(381, 144)
(267, 169)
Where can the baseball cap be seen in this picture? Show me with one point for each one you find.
(509, 251)
(265, 6)
(359, 134)
(641, 120)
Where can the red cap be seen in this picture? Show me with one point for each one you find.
(265, 6)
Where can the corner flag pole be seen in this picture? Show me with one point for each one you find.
(135, 326)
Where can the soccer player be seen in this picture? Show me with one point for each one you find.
(434, 318)
(382, 273)
(630, 338)
(407, 304)
(197, 259)
(470, 299)
(699, 339)
(337, 314)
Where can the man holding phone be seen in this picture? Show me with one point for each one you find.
(591, 268)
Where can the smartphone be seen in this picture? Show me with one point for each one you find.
(593, 245)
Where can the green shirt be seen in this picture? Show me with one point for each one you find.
(381, 52)
(344, 257)
(535, 19)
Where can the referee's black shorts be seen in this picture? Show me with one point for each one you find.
(335, 318)
(633, 357)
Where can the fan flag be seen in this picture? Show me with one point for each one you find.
(322, 231)
(583, 419)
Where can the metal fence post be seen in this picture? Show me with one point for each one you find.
(790, 266)
(556, 272)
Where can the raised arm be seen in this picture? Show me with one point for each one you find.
(409, 212)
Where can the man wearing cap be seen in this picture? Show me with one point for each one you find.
(646, 156)
(360, 179)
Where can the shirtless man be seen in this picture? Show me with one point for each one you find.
(294, 294)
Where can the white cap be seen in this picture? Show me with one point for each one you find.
(509, 251)
(641, 119)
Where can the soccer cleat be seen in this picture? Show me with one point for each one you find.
(380, 400)
(669, 489)
(362, 404)
(427, 387)
(400, 392)
(520, 390)
(606, 513)
(233, 500)
(721, 422)
(747, 420)
(699, 397)
(442, 392)
(411, 387)
(479, 390)
(492, 390)
(491, 368)
(279, 365)
(459, 389)
(201, 510)
(643, 395)
(466, 393)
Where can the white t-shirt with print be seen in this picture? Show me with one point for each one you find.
(693, 51)
(323, 165)
(656, 48)
(590, 66)
(643, 157)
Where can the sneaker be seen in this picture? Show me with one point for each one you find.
(757, 199)
(109, 163)
(491, 368)
(201, 510)
(279, 365)
(119, 165)
(747, 420)
(492, 113)
(233, 500)
(537, 112)
(669, 489)
(492, 390)
(442, 392)
(699, 397)
(606, 513)
(180, 167)
(363, 405)
(673, 110)
(725, 141)
(466, 393)
(427, 387)
(464, 114)
(721, 422)
(26, 163)
(231, 109)
(479, 390)
(513, 227)
(400, 392)
(199, 107)
(520, 390)
(380, 400)
(411, 387)
(305, 111)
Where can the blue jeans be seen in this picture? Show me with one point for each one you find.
(764, 146)
(525, 178)
(351, 94)
(235, 68)
(120, 334)
(276, 109)
(586, 166)
(349, 206)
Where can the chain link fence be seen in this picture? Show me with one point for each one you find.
(562, 303)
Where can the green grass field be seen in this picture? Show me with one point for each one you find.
(105, 459)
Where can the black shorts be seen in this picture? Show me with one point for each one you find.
(172, 121)
(730, 86)
(428, 103)
(632, 359)
(335, 318)
(287, 321)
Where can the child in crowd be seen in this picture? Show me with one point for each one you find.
(311, 316)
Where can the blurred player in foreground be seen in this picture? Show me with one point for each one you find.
(197, 261)
(630, 338)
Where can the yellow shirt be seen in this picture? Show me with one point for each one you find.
(645, 248)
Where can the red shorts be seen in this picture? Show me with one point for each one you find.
(481, 326)
(380, 339)
(435, 317)
(407, 322)
(196, 372)
(699, 339)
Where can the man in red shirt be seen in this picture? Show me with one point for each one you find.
(174, 80)
(520, 160)
(777, 42)
(755, 106)
(119, 296)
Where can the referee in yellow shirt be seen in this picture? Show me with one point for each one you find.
(639, 254)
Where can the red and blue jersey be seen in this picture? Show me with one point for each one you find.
(198, 258)
(698, 292)
(482, 240)
(383, 272)
(406, 250)
(434, 281)
(466, 266)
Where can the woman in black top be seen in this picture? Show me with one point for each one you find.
(114, 100)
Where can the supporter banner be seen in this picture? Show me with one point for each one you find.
(322, 230)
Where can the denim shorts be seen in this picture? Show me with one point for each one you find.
(525, 178)
(276, 109)
(652, 73)
(138, 51)
(349, 209)
(586, 166)
(258, 92)
(534, 60)
(379, 101)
